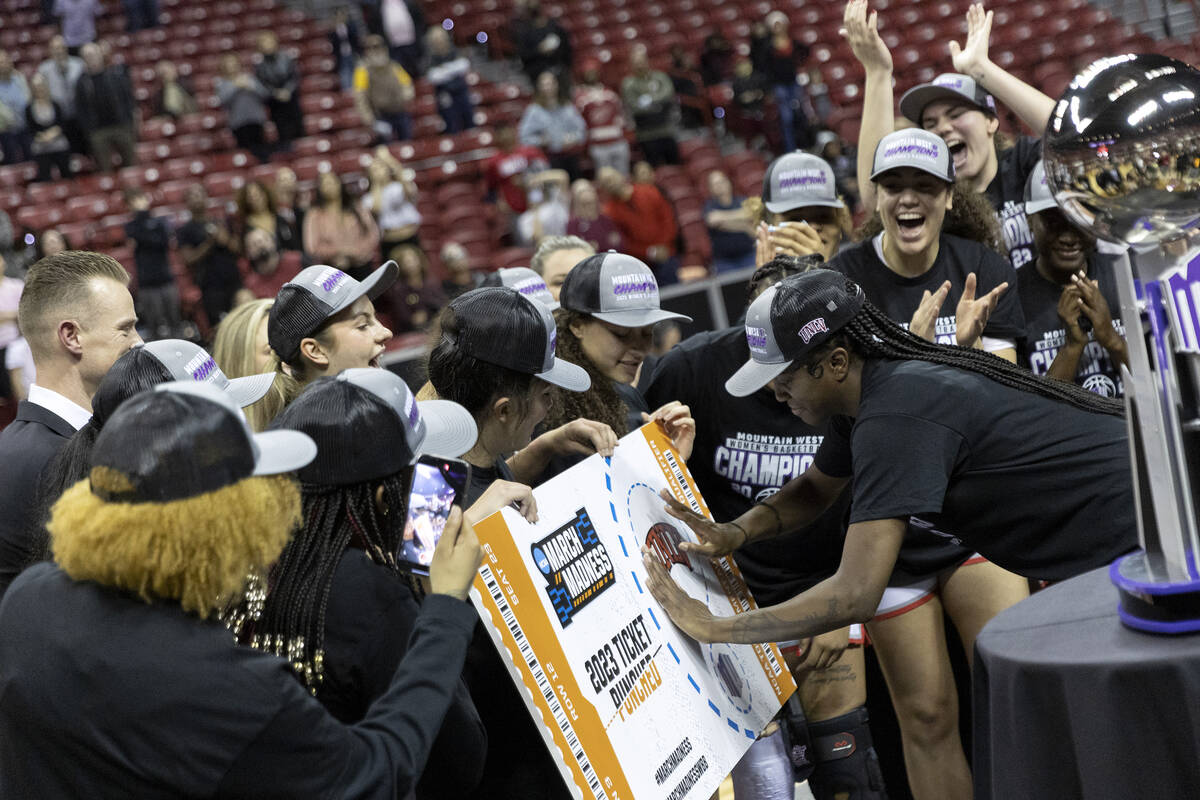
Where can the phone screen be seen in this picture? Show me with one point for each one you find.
(437, 484)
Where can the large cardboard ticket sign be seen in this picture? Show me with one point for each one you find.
(631, 706)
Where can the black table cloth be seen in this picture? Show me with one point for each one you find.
(1069, 703)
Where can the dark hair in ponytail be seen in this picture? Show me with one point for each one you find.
(871, 334)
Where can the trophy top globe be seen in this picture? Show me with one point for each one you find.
(1122, 150)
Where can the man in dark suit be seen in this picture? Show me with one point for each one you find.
(77, 315)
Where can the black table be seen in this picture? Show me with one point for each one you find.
(1069, 703)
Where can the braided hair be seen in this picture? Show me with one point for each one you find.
(872, 334)
(336, 518)
(780, 267)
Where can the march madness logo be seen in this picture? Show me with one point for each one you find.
(575, 564)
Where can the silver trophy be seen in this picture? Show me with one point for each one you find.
(1122, 156)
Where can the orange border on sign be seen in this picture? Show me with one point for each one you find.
(587, 724)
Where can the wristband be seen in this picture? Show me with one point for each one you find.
(745, 536)
(778, 516)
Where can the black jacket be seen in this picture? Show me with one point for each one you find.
(152, 240)
(104, 695)
(368, 623)
(26, 447)
(104, 99)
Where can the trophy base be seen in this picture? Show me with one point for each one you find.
(1149, 600)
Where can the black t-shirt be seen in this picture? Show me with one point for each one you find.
(746, 448)
(482, 478)
(1045, 333)
(1006, 193)
(898, 297)
(1037, 486)
(218, 269)
(368, 624)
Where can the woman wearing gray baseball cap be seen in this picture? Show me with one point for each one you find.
(800, 212)
(958, 107)
(609, 309)
(918, 272)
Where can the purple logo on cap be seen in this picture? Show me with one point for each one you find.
(756, 338)
(413, 412)
(801, 178)
(811, 329)
(912, 146)
(533, 286)
(634, 287)
(201, 367)
(330, 279)
(950, 81)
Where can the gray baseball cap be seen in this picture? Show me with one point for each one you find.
(617, 289)
(789, 320)
(274, 452)
(440, 427)
(947, 86)
(190, 362)
(798, 180)
(315, 295)
(525, 281)
(1037, 191)
(916, 148)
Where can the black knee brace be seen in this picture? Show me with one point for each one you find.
(846, 766)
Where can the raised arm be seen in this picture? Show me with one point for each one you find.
(878, 114)
(1030, 104)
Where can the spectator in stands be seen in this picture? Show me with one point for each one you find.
(716, 59)
(415, 298)
(240, 349)
(506, 169)
(687, 82)
(338, 231)
(392, 199)
(456, 263)
(256, 211)
(278, 74)
(841, 160)
(140, 14)
(172, 98)
(61, 71)
(16, 254)
(781, 57)
(588, 223)
(549, 207)
(106, 109)
(650, 97)
(11, 286)
(819, 100)
(646, 220)
(543, 44)
(601, 110)
(730, 227)
(245, 101)
(749, 101)
(553, 126)
(289, 205)
(266, 268)
(345, 39)
(50, 242)
(447, 72)
(78, 22)
(157, 293)
(77, 315)
(404, 29)
(383, 90)
(556, 256)
(14, 99)
(209, 251)
(46, 127)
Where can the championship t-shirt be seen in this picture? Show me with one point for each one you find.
(1036, 485)
(899, 296)
(1045, 333)
(746, 448)
(1006, 193)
